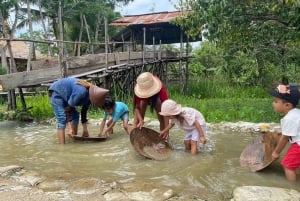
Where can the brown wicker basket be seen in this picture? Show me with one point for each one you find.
(258, 154)
(148, 143)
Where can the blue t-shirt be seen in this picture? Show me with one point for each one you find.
(72, 93)
(120, 109)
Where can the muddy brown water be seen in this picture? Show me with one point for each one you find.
(215, 170)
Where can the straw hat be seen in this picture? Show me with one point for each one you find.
(97, 95)
(147, 85)
(170, 108)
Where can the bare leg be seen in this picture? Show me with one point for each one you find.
(187, 144)
(61, 136)
(126, 127)
(194, 147)
(290, 174)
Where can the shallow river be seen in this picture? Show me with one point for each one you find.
(215, 171)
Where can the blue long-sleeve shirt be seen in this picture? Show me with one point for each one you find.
(72, 93)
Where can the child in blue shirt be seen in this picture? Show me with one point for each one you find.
(115, 110)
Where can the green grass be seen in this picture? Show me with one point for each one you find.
(215, 99)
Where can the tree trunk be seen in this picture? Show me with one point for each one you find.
(12, 68)
(44, 28)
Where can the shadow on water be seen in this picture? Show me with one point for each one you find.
(215, 171)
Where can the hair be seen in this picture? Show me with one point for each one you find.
(109, 103)
(180, 118)
(153, 101)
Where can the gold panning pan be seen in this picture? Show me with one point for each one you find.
(148, 143)
(258, 154)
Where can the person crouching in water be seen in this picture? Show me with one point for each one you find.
(117, 110)
(188, 119)
(68, 93)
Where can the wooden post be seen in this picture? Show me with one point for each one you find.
(12, 68)
(144, 44)
(181, 84)
(60, 43)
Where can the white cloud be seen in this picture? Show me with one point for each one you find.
(138, 7)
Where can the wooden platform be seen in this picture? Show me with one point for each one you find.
(47, 71)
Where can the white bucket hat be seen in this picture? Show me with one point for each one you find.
(170, 108)
(147, 85)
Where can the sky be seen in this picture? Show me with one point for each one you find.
(138, 7)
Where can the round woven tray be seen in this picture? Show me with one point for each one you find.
(148, 143)
(258, 154)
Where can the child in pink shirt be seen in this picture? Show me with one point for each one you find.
(188, 119)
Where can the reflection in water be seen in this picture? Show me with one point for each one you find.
(215, 170)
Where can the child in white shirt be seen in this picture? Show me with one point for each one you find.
(188, 119)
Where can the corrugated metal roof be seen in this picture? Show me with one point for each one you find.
(152, 18)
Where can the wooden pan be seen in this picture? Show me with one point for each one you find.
(148, 143)
(258, 154)
(95, 139)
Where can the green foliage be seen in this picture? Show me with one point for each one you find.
(255, 35)
(214, 98)
(3, 71)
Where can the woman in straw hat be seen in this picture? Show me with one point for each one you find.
(148, 90)
(67, 93)
(188, 119)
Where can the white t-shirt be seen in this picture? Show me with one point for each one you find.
(290, 125)
(190, 115)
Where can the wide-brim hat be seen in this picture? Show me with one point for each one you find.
(286, 92)
(170, 108)
(97, 95)
(147, 85)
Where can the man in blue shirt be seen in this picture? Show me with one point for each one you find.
(68, 93)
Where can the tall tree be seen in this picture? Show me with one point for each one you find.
(261, 28)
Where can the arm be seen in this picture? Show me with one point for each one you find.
(110, 127)
(138, 120)
(69, 119)
(280, 146)
(84, 110)
(102, 127)
(165, 132)
(200, 132)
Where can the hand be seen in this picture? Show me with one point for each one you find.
(140, 124)
(164, 135)
(71, 132)
(203, 140)
(275, 155)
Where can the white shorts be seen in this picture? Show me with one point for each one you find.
(194, 135)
